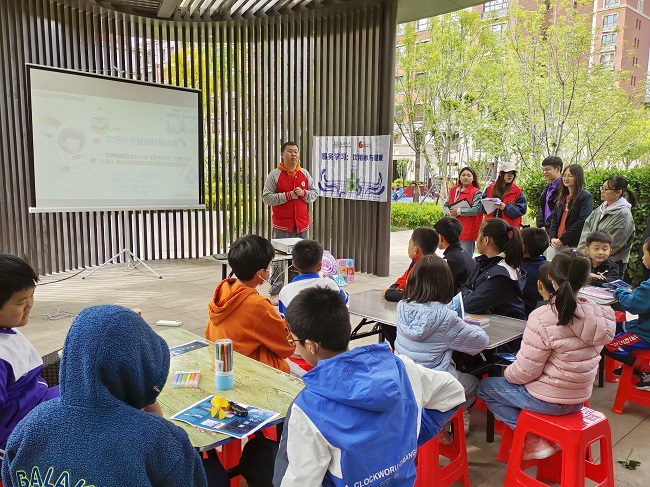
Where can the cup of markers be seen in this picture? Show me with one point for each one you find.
(224, 375)
(186, 378)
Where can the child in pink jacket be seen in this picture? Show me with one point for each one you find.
(559, 355)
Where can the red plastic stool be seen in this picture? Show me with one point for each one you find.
(229, 457)
(610, 366)
(429, 473)
(626, 390)
(574, 433)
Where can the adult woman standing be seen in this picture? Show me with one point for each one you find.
(471, 218)
(572, 207)
(614, 216)
(513, 201)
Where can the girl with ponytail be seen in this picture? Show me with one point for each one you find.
(558, 360)
(496, 284)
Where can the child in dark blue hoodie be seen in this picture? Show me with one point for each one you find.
(535, 244)
(496, 284)
(96, 433)
(354, 402)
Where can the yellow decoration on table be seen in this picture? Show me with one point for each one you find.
(220, 405)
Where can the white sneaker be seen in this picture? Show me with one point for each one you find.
(466, 421)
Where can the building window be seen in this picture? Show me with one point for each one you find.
(610, 21)
(610, 3)
(498, 29)
(423, 24)
(608, 40)
(495, 5)
(401, 28)
(401, 51)
(607, 59)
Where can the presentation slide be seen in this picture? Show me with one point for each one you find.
(107, 143)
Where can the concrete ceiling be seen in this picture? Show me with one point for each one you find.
(410, 10)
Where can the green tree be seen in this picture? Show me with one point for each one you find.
(556, 100)
(440, 81)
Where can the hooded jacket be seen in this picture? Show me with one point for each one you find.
(558, 363)
(636, 302)
(95, 434)
(429, 332)
(494, 287)
(238, 312)
(616, 220)
(357, 420)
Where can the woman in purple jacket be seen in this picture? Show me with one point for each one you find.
(556, 365)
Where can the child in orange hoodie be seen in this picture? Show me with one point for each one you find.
(237, 311)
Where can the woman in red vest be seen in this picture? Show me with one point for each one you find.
(513, 201)
(469, 216)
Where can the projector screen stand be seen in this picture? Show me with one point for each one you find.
(131, 261)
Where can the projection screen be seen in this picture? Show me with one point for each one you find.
(104, 143)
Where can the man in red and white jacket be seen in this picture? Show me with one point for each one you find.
(288, 190)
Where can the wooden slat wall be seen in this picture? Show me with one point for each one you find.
(264, 81)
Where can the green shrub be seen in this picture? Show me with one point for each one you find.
(639, 184)
(408, 216)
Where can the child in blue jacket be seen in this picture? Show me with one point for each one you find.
(358, 420)
(635, 334)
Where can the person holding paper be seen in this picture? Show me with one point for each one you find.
(511, 204)
(464, 203)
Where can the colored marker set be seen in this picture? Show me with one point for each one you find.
(224, 375)
(186, 378)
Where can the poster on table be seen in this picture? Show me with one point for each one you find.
(352, 167)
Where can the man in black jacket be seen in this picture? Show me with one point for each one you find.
(552, 171)
(460, 262)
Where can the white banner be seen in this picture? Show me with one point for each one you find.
(352, 167)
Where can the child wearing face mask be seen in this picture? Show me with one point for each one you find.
(237, 311)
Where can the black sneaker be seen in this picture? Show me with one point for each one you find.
(644, 383)
(619, 371)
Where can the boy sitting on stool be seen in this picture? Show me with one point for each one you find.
(308, 260)
(237, 311)
(354, 402)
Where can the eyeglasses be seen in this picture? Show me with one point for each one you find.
(604, 188)
(290, 340)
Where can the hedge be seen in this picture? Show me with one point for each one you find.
(639, 183)
(408, 216)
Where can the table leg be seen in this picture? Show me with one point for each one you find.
(489, 428)
(601, 370)
(224, 270)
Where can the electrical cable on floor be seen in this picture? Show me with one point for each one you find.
(63, 279)
(59, 314)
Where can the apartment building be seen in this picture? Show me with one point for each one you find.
(621, 38)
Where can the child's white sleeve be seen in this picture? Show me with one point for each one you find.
(433, 389)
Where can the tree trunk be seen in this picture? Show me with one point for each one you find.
(416, 178)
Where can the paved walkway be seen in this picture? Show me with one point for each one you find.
(187, 287)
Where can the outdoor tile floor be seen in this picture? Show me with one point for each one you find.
(187, 287)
